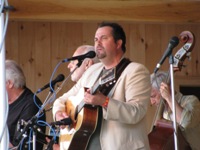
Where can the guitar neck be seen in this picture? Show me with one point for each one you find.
(82, 103)
(107, 77)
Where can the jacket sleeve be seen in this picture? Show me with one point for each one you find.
(87, 80)
(191, 111)
(131, 96)
(59, 103)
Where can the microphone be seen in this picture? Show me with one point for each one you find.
(172, 43)
(66, 121)
(59, 78)
(90, 54)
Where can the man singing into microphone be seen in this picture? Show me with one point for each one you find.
(75, 76)
(122, 104)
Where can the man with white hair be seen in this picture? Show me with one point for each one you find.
(22, 106)
(78, 71)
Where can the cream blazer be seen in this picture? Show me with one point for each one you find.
(123, 123)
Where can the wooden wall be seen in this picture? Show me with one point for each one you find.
(39, 46)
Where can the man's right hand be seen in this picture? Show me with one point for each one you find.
(59, 116)
(52, 147)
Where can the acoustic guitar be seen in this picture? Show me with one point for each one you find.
(84, 117)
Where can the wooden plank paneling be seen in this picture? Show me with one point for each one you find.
(43, 56)
(153, 45)
(42, 61)
(60, 49)
(137, 43)
(12, 41)
(88, 32)
(27, 42)
(165, 11)
(149, 25)
(27, 51)
(196, 53)
(66, 38)
(40, 46)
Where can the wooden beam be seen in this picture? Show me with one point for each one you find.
(155, 11)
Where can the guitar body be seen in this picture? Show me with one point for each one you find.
(162, 137)
(83, 126)
(84, 117)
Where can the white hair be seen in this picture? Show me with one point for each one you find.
(87, 48)
(15, 74)
(158, 78)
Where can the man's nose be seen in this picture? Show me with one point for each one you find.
(69, 65)
(152, 100)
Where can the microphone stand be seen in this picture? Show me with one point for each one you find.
(171, 61)
(49, 94)
(52, 98)
(34, 140)
(34, 133)
(31, 123)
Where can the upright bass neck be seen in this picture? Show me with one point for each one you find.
(161, 106)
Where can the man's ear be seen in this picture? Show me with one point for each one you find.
(10, 84)
(119, 43)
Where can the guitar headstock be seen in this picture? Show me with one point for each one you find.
(108, 77)
(184, 52)
(106, 80)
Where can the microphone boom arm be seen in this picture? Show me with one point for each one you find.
(50, 100)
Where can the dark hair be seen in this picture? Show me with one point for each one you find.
(118, 33)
